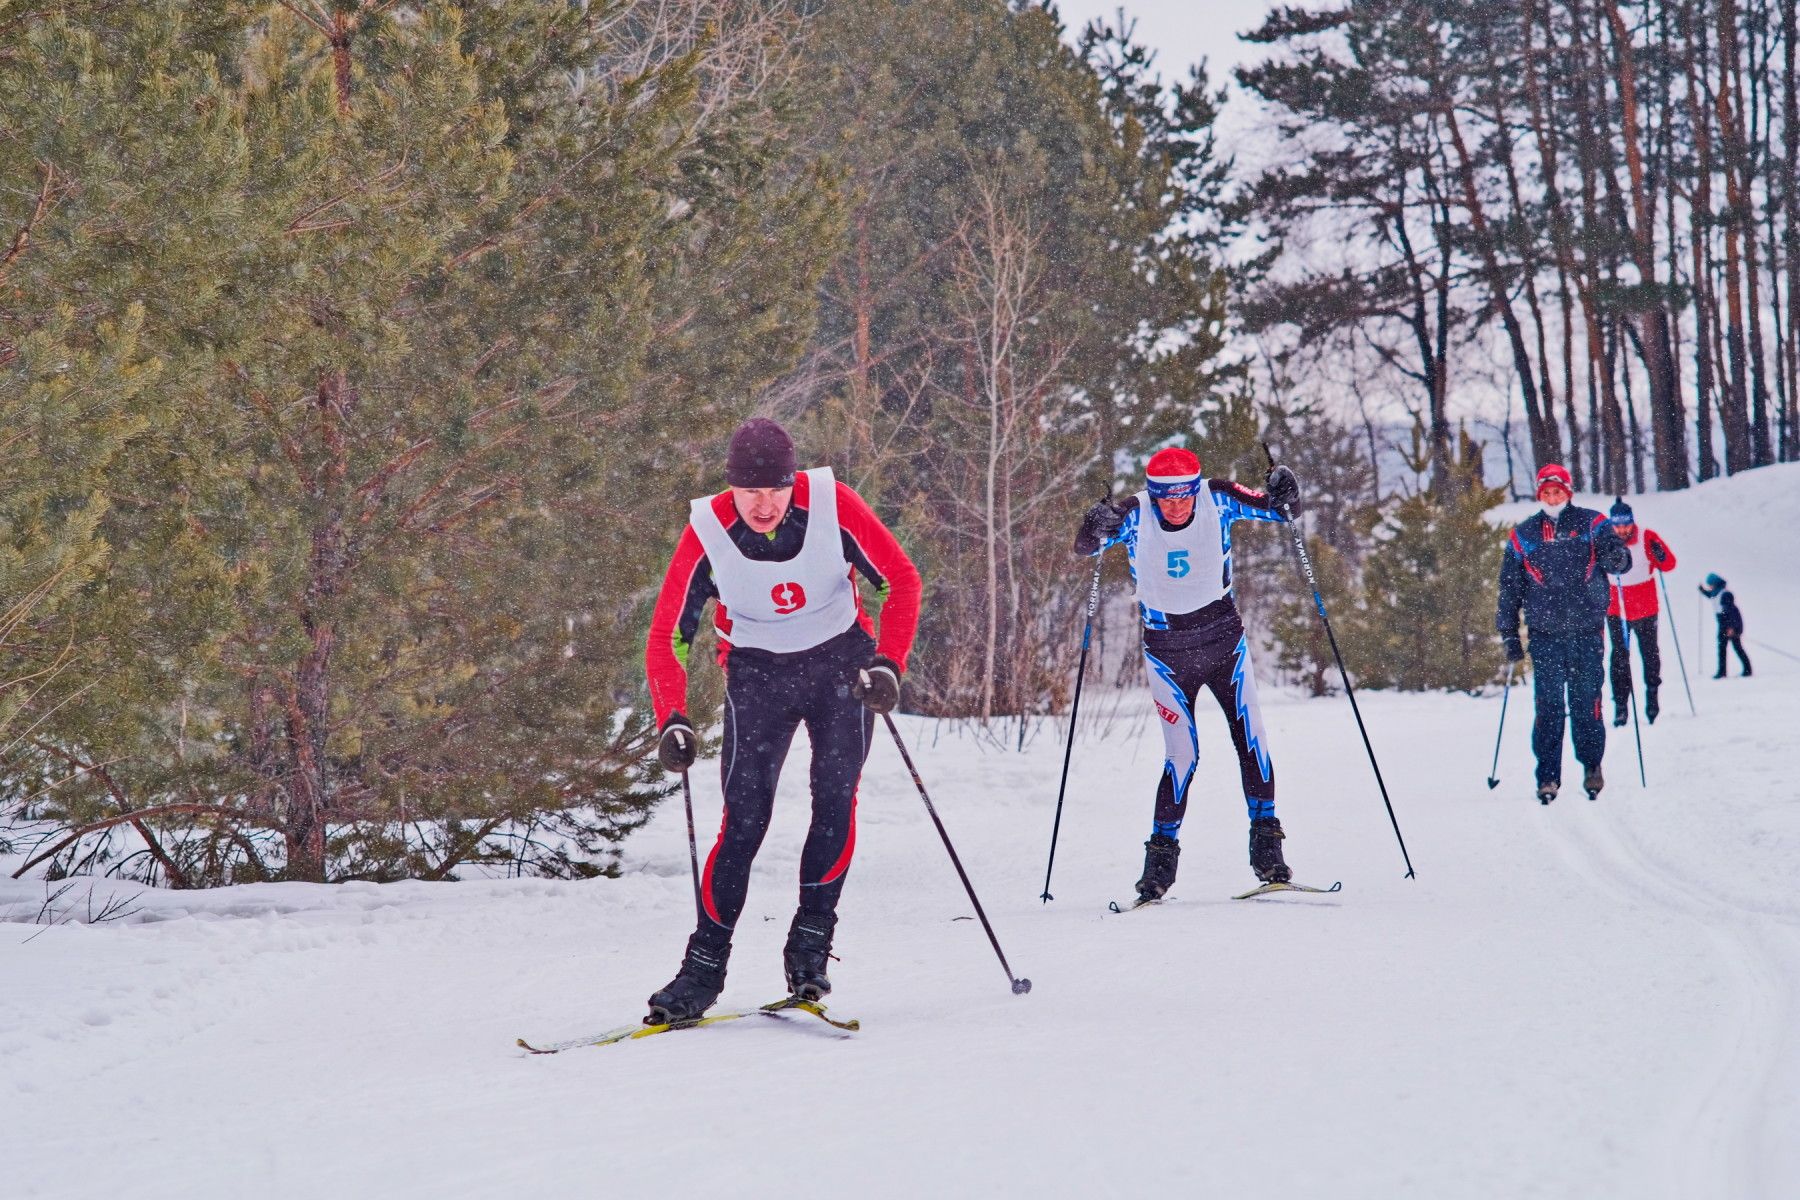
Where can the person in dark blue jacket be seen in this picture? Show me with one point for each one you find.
(1555, 569)
(1731, 622)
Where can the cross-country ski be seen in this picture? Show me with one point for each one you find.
(627, 1033)
(1283, 886)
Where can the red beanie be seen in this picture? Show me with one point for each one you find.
(1554, 473)
(1173, 472)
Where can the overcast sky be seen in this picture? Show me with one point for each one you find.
(1181, 31)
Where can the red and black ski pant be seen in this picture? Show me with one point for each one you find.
(767, 698)
(1643, 636)
(1565, 667)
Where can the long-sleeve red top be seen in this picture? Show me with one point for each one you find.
(869, 548)
(1638, 586)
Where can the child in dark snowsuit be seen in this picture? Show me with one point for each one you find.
(1731, 622)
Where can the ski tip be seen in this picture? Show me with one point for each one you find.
(528, 1047)
(1113, 906)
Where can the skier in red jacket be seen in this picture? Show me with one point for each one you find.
(1636, 587)
(778, 551)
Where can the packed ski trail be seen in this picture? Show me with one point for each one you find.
(1585, 999)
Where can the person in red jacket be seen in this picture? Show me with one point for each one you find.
(778, 551)
(1632, 601)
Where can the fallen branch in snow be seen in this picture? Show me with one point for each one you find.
(115, 908)
(135, 818)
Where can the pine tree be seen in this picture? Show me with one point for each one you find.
(110, 599)
(1426, 617)
(982, 408)
(474, 303)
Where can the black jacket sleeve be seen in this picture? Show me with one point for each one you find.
(1512, 592)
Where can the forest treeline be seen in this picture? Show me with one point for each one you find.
(1598, 198)
(358, 359)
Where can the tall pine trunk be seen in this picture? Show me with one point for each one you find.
(1666, 416)
(1609, 467)
(1544, 132)
(1734, 409)
(1790, 138)
(1543, 440)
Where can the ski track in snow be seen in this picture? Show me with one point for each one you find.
(1714, 1148)
(1578, 1001)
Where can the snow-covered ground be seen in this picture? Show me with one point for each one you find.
(1585, 1000)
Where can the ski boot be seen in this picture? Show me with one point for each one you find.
(1547, 790)
(1620, 715)
(1265, 851)
(1162, 854)
(807, 953)
(1593, 781)
(1651, 707)
(697, 985)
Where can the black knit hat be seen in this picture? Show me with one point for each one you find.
(762, 456)
(1621, 512)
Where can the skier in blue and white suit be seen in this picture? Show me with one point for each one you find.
(1194, 639)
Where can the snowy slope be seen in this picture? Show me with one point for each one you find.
(1575, 1001)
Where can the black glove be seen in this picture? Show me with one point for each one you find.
(1102, 521)
(1283, 489)
(678, 744)
(878, 684)
(1515, 649)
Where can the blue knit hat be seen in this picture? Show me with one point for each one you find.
(1621, 512)
(1713, 585)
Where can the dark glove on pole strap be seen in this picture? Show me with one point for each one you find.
(678, 744)
(1102, 521)
(877, 685)
(1283, 489)
(1515, 649)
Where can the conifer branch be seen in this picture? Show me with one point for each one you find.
(290, 448)
(307, 17)
(302, 223)
(22, 239)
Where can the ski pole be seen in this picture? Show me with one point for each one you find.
(687, 800)
(1635, 731)
(1019, 986)
(1494, 775)
(1087, 632)
(1287, 513)
(1676, 634)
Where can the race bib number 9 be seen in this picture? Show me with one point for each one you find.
(788, 597)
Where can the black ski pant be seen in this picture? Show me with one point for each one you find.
(1643, 636)
(1566, 670)
(767, 698)
(1735, 639)
(1181, 665)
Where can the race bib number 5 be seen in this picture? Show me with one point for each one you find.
(1178, 564)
